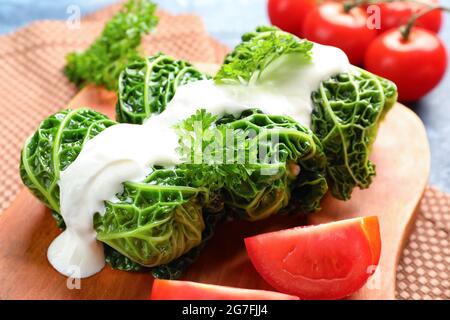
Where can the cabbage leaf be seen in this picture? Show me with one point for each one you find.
(146, 86)
(53, 147)
(152, 223)
(348, 109)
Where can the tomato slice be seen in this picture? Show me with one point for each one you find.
(327, 261)
(187, 290)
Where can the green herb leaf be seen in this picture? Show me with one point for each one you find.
(259, 49)
(117, 46)
(255, 177)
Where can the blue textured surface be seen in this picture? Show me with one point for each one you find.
(227, 20)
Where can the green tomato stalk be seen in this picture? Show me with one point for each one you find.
(348, 5)
(405, 30)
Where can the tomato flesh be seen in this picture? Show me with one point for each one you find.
(187, 290)
(371, 228)
(329, 261)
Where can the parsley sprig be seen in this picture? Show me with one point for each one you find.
(117, 46)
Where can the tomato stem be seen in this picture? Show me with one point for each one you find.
(405, 30)
(349, 5)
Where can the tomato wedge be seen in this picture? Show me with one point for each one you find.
(327, 261)
(187, 290)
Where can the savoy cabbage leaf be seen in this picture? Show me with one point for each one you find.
(53, 147)
(159, 223)
(348, 109)
(175, 268)
(147, 85)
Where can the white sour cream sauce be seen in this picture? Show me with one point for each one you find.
(125, 152)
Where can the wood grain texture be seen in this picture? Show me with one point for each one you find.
(401, 154)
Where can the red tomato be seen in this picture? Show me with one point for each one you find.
(328, 261)
(289, 15)
(329, 24)
(415, 65)
(187, 290)
(395, 14)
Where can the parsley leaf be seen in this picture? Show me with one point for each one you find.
(259, 49)
(115, 48)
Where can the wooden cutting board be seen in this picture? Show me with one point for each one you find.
(401, 154)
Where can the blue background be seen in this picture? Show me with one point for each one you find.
(227, 20)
